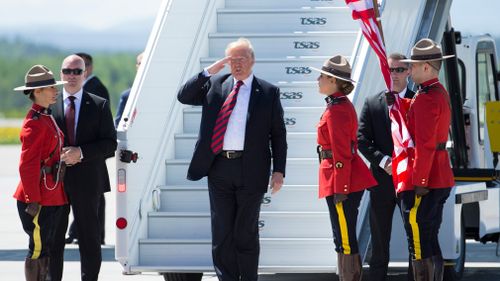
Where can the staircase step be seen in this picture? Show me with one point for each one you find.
(297, 119)
(282, 45)
(275, 4)
(295, 198)
(286, 20)
(281, 70)
(299, 145)
(196, 225)
(299, 171)
(274, 252)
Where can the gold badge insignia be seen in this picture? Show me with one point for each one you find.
(339, 165)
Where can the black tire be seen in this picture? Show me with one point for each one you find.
(170, 276)
(455, 270)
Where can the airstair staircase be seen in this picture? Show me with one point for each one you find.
(294, 224)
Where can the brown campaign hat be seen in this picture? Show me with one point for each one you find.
(39, 76)
(337, 67)
(426, 50)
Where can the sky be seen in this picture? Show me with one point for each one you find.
(66, 18)
(476, 15)
(94, 14)
(102, 14)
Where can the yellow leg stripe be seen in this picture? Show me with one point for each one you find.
(37, 239)
(414, 228)
(343, 228)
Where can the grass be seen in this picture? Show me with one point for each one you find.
(9, 135)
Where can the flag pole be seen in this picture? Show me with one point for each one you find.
(379, 20)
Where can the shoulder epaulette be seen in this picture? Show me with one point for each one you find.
(35, 115)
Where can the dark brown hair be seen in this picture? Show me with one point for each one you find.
(343, 86)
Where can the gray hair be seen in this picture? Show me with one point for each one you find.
(243, 42)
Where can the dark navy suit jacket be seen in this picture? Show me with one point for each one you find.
(265, 135)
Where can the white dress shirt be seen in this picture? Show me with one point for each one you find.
(387, 157)
(234, 138)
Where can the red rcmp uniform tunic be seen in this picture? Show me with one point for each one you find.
(429, 120)
(345, 172)
(41, 144)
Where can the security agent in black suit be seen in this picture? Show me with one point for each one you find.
(92, 85)
(375, 143)
(86, 176)
(238, 175)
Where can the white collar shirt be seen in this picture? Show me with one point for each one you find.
(234, 138)
(402, 93)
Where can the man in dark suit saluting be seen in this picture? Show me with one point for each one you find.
(375, 143)
(90, 136)
(241, 130)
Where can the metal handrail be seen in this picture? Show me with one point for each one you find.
(173, 113)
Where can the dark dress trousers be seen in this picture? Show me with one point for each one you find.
(85, 182)
(236, 186)
(374, 142)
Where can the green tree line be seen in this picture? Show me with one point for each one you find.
(115, 69)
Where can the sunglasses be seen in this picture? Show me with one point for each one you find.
(68, 71)
(398, 69)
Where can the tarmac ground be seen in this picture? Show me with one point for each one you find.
(482, 264)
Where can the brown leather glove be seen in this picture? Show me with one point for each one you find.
(420, 190)
(337, 197)
(390, 97)
(32, 209)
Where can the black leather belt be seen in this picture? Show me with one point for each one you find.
(231, 154)
(325, 154)
(441, 146)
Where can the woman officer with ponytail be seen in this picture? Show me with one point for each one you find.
(343, 176)
(40, 195)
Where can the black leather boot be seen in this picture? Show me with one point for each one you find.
(423, 269)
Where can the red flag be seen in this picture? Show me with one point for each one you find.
(364, 12)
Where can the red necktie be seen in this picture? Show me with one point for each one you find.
(223, 118)
(69, 115)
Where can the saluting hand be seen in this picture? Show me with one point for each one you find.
(276, 182)
(218, 65)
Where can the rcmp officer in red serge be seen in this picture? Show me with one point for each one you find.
(40, 195)
(343, 176)
(428, 122)
(241, 130)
